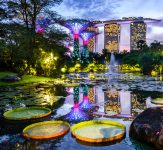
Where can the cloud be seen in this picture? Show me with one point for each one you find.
(116, 9)
(89, 9)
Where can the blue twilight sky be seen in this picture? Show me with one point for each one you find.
(116, 9)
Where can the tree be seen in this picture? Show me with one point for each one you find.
(155, 45)
(141, 44)
(24, 14)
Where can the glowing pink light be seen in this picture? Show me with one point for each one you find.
(41, 24)
(76, 114)
(85, 42)
(86, 104)
(69, 89)
(86, 36)
(76, 36)
(40, 29)
(76, 105)
(85, 97)
(76, 26)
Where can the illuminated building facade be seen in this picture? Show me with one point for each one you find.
(137, 32)
(111, 34)
(121, 35)
(118, 36)
(91, 43)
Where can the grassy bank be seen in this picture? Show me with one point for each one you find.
(25, 79)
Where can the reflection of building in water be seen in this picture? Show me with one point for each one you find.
(112, 104)
(123, 103)
(91, 94)
(137, 107)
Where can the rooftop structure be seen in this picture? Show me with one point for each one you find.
(122, 34)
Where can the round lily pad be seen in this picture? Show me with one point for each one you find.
(98, 131)
(46, 130)
(158, 101)
(25, 113)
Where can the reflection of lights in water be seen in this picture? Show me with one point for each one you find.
(76, 114)
(125, 102)
(86, 104)
(91, 94)
(69, 89)
(112, 93)
(48, 99)
(112, 107)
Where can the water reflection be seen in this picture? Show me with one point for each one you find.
(86, 104)
(111, 102)
(77, 114)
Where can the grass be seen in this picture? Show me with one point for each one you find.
(25, 79)
(2, 74)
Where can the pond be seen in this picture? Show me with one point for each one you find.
(120, 98)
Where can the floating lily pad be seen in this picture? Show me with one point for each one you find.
(24, 113)
(98, 131)
(46, 130)
(157, 101)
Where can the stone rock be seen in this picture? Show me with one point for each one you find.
(148, 127)
(11, 78)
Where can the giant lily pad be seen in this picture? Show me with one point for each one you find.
(98, 131)
(24, 113)
(157, 101)
(46, 130)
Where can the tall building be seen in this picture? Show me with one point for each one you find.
(112, 32)
(121, 35)
(137, 32)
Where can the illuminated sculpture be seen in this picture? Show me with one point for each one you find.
(76, 26)
(76, 114)
(86, 36)
(85, 105)
(41, 24)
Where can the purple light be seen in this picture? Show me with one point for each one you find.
(76, 26)
(86, 104)
(41, 24)
(86, 36)
(76, 114)
(39, 29)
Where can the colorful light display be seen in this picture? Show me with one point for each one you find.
(76, 114)
(86, 105)
(76, 26)
(76, 94)
(86, 36)
(41, 24)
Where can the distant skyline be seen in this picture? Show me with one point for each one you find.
(116, 9)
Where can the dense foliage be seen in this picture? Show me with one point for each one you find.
(147, 58)
(22, 49)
